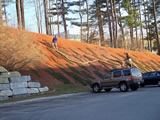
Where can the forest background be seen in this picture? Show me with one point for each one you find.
(128, 24)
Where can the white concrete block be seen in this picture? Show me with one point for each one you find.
(6, 93)
(44, 89)
(18, 91)
(5, 86)
(32, 90)
(4, 98)
(34, 85)
(18, 85)
(20, 79)
(2, 69)
(4, 80)
(10, 74)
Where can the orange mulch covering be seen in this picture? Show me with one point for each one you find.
(48, 58)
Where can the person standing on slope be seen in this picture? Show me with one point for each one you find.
(54, 43)
(127, 61)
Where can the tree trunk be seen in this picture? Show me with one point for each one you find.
(46, 17)
(157, 33)
(116, 22)
(135, 22)
(87, 21)
(109, 24)
(58, 18)
(22, 14)
(113, 25)
(64, 20)
(121, 28)
(100, 23)
(5, 13)
(1, 17)
(150, 43)
(131, 36)
(18, 14)
(142, 40)
(80, 14)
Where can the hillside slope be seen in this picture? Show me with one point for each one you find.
(51, 68)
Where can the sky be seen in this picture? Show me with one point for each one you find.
(30, 18)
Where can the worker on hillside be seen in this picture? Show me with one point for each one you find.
(127, 61)
(54, 43)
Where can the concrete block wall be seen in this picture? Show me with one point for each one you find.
(13, 84)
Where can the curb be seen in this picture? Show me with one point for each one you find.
(42, 98)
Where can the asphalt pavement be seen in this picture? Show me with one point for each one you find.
(143, 104)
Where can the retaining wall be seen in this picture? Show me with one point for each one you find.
(12, 84)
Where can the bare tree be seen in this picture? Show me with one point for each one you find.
(142, 40)
(46, 17)
(157, 33)
(100, 22)
(38, 12)
(123, 43)
(87, 21)
(58, 24)
(22, 14)
(64, 19)
(109, 24)
(18, 14)
(113, 23)
(5, 12)
(1, 18)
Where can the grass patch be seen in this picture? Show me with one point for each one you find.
(111, 62)
(147, 67)
(88, 57)
(54, 91)
(75, 77)
(104, 56)
(86, 75)
(63, 51)
(93, 66)
(102, 63)
(84, 51)
(35, 72)
(122, 56)
(56, 62)
(59, 56)
(73, 69)
(116, 58)
(78, 58)
(57, 75)
(83, 67)
(91, 51)
(156, 63)
(154, 68)
(98, 74)
(140, 66)
(74, 51)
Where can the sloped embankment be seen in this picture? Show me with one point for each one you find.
(71, 65)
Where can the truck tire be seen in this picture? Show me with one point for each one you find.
(96, 88)
(123, 87)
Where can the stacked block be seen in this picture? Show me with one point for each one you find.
(13, 84)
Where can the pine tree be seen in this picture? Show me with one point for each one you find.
(22, 14)
(1, 17)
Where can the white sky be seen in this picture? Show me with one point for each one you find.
(30, 18)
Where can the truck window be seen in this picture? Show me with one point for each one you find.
(153, 74)
(136, 72)
(108, 75)
(126, 72)
(117, 74)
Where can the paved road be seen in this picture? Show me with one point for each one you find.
(143, 104)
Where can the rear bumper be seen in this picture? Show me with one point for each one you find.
(135, 83)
